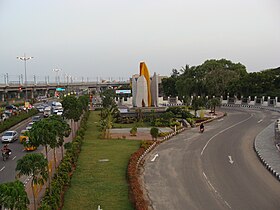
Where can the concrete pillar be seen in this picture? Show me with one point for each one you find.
(32, 93)
(3, 96)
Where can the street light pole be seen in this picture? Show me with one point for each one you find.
(24, 58)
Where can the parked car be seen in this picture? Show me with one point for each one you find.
(9, 136)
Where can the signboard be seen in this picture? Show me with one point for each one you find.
(123, 91)
(60, 89)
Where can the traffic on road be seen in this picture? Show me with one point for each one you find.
(17, 141)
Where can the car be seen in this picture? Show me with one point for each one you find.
(36, 118)
(29, 126)
(40, 108)
(28, 146)
(23, 136)
(9, 136)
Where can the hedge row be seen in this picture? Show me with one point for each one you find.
(53, 199)
(135, 191)
(14, 120)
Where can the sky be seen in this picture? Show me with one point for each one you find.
(94, 40)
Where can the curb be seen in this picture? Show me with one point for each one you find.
(268, 167)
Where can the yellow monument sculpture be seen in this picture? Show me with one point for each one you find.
(145, 72)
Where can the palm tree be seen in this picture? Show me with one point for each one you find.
(13, 195)
(43, 133)
(71, 111)
(62, 129)
(35, 165)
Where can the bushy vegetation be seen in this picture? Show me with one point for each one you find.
(61, 180)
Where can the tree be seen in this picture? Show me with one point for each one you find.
(197, 103)
(71, 109)
(35, 165)
(61, 129)
(13, 195)
(83, 101)
(213, 103)
(154, 133)
(109, 112)
(169, 86)
(43, 133)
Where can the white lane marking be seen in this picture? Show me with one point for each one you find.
(222, 132)
(230, 159)
(218, 194)
(260, 121)
(14, 157)
(220, 119)
(2, 168)
(154, 158)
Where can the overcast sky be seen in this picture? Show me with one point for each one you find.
(109, 38)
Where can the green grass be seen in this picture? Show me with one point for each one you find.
(100, 183)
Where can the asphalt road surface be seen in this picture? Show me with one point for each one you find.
(218, 169)
(7, 168)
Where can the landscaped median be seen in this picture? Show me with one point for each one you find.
(100, 178)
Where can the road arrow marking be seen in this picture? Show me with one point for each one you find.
(260, 121)
(2, 168)
(14, 157)
(230, 159)
(154, 158)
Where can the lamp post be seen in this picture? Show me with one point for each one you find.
(24, 58)
(56, 76)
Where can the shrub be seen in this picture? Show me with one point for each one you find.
(190, 121)
(163, 134)
(146, 144)
(135, 191)
(154, 132)
(133, 131)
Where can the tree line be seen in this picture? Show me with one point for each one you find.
(221, 78)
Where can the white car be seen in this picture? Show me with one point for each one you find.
(9, 136)
(29, 126)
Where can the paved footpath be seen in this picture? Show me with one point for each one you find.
(267, 151)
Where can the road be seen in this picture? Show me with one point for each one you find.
(214, 170)
(7, 168)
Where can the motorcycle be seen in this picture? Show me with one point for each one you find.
(6, 155)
